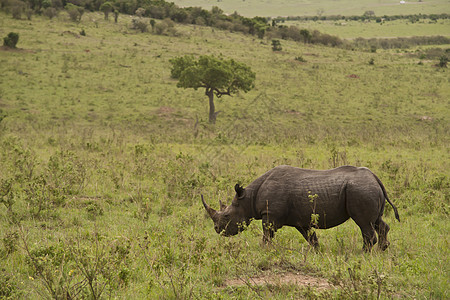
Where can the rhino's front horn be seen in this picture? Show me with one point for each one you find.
(212, 213)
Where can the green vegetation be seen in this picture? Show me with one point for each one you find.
(276, 45)
(103, 161)
(11, 40)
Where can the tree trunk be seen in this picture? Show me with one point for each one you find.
(212, 109)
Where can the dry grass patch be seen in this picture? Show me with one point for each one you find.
(277, 279)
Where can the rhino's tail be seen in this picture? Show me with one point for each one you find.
(397, 216)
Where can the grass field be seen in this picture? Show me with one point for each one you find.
(103, 161)
(274, 8)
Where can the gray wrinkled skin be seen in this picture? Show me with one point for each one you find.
(284, 196)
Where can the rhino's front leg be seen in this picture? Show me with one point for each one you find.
(268, 229)
(310, 236)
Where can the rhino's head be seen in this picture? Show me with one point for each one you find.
(230, 219)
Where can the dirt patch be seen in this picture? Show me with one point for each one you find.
(165, 111)
(18, 50)
(293, 112)
(68, 32)
(269, 278)
(425, 118)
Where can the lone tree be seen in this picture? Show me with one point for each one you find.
(217, 75)
(107, 8)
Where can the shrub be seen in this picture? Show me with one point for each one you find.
(10, 242)
(17, 8)
(139, 24)
(276, 45)
(11, 40)
(166, 27)
(50, 12)
(443, 60)
(140, 12)
(9, 287)
(29, 13)
(75, 12)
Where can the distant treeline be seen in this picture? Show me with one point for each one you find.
(258, 26)
(367, 16)
(400, 42)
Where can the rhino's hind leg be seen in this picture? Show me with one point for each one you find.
(310, 236)
(382, 229)
(369, 237)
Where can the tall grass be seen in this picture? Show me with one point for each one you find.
(103, 162)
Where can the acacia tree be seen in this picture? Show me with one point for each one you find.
(218, 76)
(106, 8)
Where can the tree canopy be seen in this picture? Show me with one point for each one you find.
(217, 75)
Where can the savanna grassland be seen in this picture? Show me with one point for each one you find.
(275, 8)
(398, 28)
(103, 161)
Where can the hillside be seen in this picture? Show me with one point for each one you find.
(275, 8)
(103, 161)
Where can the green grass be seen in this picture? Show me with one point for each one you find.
(273, 8)
(123, 156)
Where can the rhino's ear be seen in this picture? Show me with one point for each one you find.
(239, 190)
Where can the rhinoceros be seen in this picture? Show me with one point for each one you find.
(306, 199)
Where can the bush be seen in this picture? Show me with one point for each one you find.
(11, 40)
(17, 8)
(443, 60)
(300, 59)
(139, 24)
(50, 12)
(9, 287)
(75, 12)
(276, 45)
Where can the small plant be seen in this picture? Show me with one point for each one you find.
(10, 241)
(314, 222)
(94, 210)
(153, 23)
(9, 288)
(7, 197)
(116, 15)
(443, 60)
(276, 45)
(300, 59)
(11, 40)
(372, 61)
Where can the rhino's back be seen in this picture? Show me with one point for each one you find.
(293, 194)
